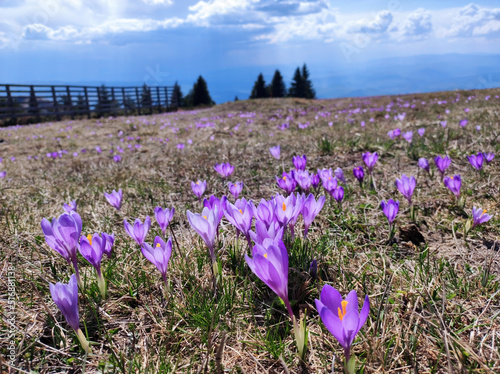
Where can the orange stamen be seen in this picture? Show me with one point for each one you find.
(284, 207)
(89, 238)
(342, 312)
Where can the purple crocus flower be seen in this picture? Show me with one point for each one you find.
(139, 231)
(163, 217)
(479, 216)
(476, 161)
(300, 162)
(263, 232)
(370, 159)
(205, 224)
(240, 216)
(408, 136)
(225, 169)
(117, 158)
(158, 254)
(330, 184)
(265, 212)
(341, 317)
(235, 189)
(115, 198)
(454, 184)
(339, 174)
(325, 174)
(359, 173)
(315, 180)
(424, 164)
(216, 202)
(443, 123)
(3, 174)
(338, 194)
(65, 296)
(421, 131)
(71, 206)
(303, 179)
(406, 186)
(463, 123)
(390, 209)
(287, 182)
(199, 188)
(269, 262)
(62, 236)
(287, 209)
(92, 249)
(489, 157)
(110, 240)
(442, 163)
(275, 152)
(310, 210)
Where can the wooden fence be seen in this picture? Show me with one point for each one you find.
(43, 102)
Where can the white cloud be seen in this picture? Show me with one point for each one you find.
(418, 24)
(473, 20)
(158, 2)
(379, 25)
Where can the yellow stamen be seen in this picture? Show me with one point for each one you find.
(342, 312)
(158, 245)
(265, 255)
(205, 217)
(241, 211)
(198, 183)
(484, 212)
(284, 207)
(284, 178)
(89, 238)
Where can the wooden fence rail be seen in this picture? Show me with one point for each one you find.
(54, 102)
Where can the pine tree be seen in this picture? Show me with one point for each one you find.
(278, 88)
(146, 100)
(297, 87)
(259, 88)
(177, 99)
(199, 94)
(309, 92)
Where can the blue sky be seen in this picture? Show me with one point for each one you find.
(363, 47)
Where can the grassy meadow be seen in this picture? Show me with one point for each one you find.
(435, 304)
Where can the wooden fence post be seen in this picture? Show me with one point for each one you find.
(33, 104)
(87, 102)
(55, 104)
(10, 102)
(70, 101)
(138, 100)
(125, 103)
(158, 98)
(113, 103)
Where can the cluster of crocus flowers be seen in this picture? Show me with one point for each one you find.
(341, 317)
(115, 198)
(65, 296)
(287, 182)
